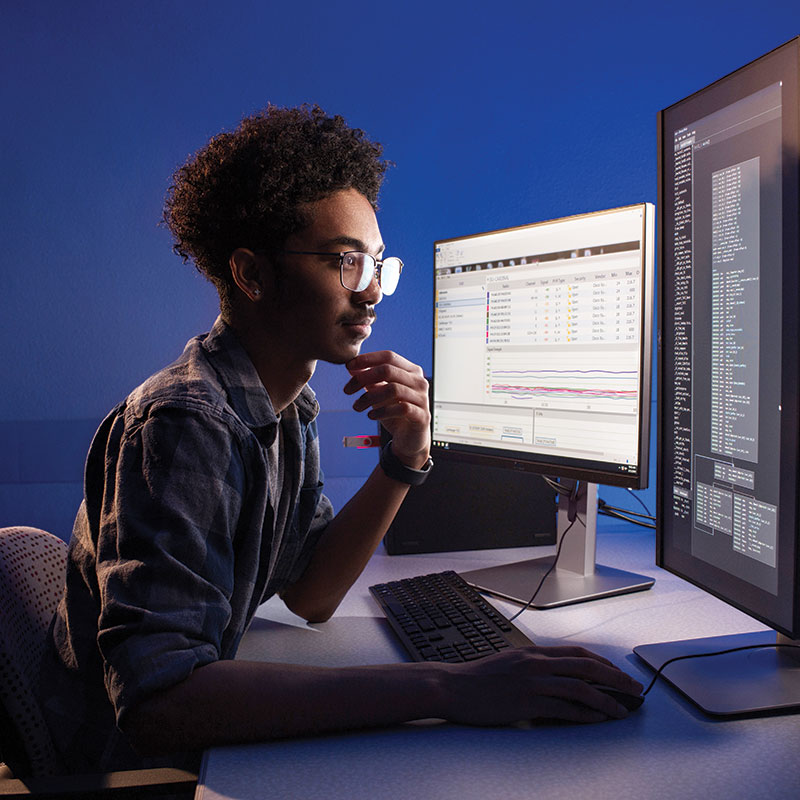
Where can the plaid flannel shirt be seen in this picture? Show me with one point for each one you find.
(173, 547)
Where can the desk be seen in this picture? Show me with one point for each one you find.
(665, 750)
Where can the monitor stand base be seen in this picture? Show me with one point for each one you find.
(577, 578)
(517, 582)
(746, 683)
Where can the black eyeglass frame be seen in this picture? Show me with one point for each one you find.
(376, 269)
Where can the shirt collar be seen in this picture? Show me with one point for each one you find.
(247, 395)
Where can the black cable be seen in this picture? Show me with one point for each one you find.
(641, 503)
(572, 506)
(549, 569)
(603, 504)
(715, 653)
(555, 485)
(623, 516)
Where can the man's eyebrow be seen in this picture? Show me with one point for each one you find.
(351, 243)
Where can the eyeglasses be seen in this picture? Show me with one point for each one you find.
(357, 270)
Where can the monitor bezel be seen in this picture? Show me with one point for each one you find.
(593, 472)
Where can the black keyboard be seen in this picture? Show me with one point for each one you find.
(440, 617)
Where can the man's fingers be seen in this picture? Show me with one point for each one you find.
(367, 360)
(383, 367)
(386, 394)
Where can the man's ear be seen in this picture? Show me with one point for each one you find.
(246, 272)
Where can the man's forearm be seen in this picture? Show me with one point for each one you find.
(345, 548)
(230, 702)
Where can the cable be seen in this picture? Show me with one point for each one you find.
(555, 485)
(715, 653)
(624, 510)
(549, 569)
(641, 503)
(624, 516)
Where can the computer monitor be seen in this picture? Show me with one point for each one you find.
(542, 363)
(728, 426)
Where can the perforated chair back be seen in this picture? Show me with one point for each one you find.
(32, 571)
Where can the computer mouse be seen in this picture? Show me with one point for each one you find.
(630, 701)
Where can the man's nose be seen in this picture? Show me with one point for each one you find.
(372, 295)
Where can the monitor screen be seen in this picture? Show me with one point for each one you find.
(728, 363)
(542, 345)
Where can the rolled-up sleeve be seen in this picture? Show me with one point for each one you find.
(313, 511)
(165, 558)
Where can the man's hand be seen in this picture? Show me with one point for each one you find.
(396, 393)
(531, 683)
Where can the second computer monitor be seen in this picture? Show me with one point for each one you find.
(542, 363)
(729, 414)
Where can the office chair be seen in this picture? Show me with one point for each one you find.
(32, 569)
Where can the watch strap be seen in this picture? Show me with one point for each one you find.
(398, 471)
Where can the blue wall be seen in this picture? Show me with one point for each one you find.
(496, 114)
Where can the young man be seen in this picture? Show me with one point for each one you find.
(203, 494)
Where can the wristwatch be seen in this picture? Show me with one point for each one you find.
(398, 471)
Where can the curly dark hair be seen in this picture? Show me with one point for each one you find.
(246, 188)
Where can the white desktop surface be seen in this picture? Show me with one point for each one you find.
(666, 749)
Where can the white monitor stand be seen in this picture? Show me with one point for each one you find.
(577, 577)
